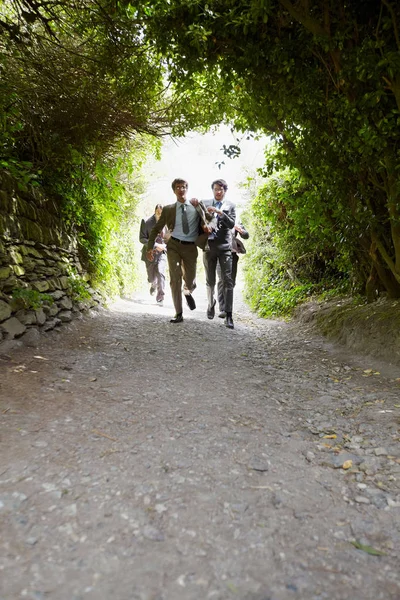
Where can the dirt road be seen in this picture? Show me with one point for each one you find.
(142, 460)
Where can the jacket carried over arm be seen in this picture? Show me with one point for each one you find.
(145, 228)
(237, 245)
(245, 235)
(228, 217)
(226, 222)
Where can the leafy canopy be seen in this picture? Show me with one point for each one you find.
(324, 79)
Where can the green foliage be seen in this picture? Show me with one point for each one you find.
(30, 299)
(78, 288)
(323, 79)
(81, 87)
(21, 170)
(122, 257)
(273, 290)
(83, 80)
(294, 252)
(99, 203)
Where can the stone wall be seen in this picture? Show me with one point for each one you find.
(42, 282)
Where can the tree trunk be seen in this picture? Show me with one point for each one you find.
(385, 276)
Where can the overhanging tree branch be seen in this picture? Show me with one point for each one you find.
(304, 18)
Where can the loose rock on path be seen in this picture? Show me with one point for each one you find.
(143, 460)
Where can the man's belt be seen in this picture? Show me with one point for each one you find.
(181, 241)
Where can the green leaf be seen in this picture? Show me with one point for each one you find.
(368, 549)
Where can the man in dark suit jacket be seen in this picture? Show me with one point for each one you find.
(155, 268)
(182, 221)
(219, 250)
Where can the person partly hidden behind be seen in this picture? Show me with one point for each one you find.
(156, 266)
(184, 224)
(237, 248)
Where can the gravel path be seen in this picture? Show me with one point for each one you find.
(148, 461)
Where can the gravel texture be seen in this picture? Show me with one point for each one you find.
(143, 460)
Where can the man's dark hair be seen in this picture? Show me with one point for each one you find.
(157, 206)
(220, 182)
(176, 181)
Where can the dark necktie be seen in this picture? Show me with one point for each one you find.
(185, 223)
(218, 205)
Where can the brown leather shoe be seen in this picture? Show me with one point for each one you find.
(177, 318)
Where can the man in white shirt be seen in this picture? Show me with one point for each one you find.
(183, 223)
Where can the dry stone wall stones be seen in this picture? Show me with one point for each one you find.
(18, 270)
(40, 286)
(40, 316)
(37, 253)
(26, 317)
(64, 282)
(51, 311)
(57, 294)
(5, 310)
(65, 316)
(12, 328)
(65, 303)
(51, 324)
(31, 337)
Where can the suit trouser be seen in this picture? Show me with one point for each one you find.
(156, 275)
(182, 259)
(220, 285)
(149, 270)
(223, 258)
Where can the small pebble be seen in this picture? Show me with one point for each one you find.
(362, 500)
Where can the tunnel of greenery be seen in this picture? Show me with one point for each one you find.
(87, 89)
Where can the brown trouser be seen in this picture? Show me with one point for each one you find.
(182, 259)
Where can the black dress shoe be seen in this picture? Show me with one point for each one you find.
(229, 322)
(190, 301)
(211, 311)
(177, 319)
(222, 314)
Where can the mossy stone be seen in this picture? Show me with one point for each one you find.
(18, 270)
(40, 286)
(16, 257)
(5, 272)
